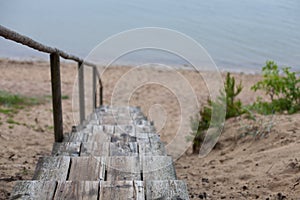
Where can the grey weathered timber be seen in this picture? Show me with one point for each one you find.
(56, 97)
(81, 91)
(52, 168)
(166, 190)
(123, 168)
(123, 149)
(98, 149)
(121, 190)
(158, 168)
(87, 169)
(29, 190)
(79, 190)
(66, 149)
(152, 148)
(111, 162)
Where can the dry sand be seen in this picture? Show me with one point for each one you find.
(240, 166)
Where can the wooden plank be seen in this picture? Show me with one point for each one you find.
(83, 190)
(152, 149)
(129, 129)
(134, 129)
(102, 133)
(121, 190)
(66, 149)
(87, 169)
(76, 137)
(52, 168)
(167, 190)
(123, 168)
(123, 137)
(95, 149)
(158, 168)
(33, 190)
(98, 137)
(150, 144)
(123, 149)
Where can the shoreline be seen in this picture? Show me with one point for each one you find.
(255, 71)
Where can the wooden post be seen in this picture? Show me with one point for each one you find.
(94, 88)
(101, 95)
(56, 97)
(81, 91)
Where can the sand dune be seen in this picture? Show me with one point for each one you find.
(241, 166)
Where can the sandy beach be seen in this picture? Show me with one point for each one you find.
(241, 166)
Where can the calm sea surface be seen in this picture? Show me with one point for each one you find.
(238, 34)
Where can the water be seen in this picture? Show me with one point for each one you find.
(239, 35)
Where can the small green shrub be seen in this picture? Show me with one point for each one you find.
(282, 88)
(233, 108)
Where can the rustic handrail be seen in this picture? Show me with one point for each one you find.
(22, 39)
(55, 54)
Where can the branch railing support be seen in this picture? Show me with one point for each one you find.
(94, 92)
(56, 97)
(81, 91)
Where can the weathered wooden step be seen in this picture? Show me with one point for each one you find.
(34, 190)
(77, 190)
(167, 190)
(52, 168)
(103, 190)
(87, 168)
(120, 190)
(158, 168)
(100, 168)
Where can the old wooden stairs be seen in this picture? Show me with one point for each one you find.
(115, 154)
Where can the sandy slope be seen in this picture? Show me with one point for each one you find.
(240, 167)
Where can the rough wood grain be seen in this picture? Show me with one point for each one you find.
(34, 190)
(158, 168)
(95, 149)
(52, 168)
(166, 190)
(66, 149)
(99, 135)
(123, 149)
(150, 144)
(87, 169)
(79, 190)
(123, 168)
(152, 149)
(121, 190)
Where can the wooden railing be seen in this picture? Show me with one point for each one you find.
(55, 55)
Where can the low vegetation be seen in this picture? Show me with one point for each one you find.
(282, 86)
